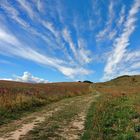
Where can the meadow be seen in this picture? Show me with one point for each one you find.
(111, 109)
(116, 114)
(18, 98)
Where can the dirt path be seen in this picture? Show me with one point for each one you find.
(63, 119)
(74, 129)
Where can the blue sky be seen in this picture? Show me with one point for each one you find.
(69, 40)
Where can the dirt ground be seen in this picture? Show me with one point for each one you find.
(61, 120)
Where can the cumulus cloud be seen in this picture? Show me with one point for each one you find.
(26, 78)
(29, 78)
(121, 43)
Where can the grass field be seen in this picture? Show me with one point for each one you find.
(116, 114)
(18, 98)
(103, 111)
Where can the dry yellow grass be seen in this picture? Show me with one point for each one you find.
(18, 97)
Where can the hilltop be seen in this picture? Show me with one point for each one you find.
(71, 110)
(124, 84)
(116, 114)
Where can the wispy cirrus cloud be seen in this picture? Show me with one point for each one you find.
(54, 38)
(108, 26)
(131, 61)
(121, 43)
(128, 67)
(69, 38)
(27, 7)
(40, 6)
(121, 16)
(84, 53)
(51, 36)
(13, 13)
(81, 54)
(14, 47)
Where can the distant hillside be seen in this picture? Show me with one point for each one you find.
(48, 88)
(123, 84)
(116, 114)
(126, 79)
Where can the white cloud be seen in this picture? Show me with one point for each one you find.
(10, 45)
(50, 27)
(54, 38)
(129, 65)
(51, 37)
(68, 39)
(121, 16)
(27, 7)
(6, 37)
(131, 61)
(13, 13)
(81, 54)
(73, 72)
(7, 79)
(84, 54)
(136, 66)
(132, 56)
(29, 78)
(121, 43)
(108, 26)
(40, 6)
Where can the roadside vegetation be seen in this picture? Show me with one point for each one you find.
(114, 117)
(17, 99)
(116, 114)
(65, 123)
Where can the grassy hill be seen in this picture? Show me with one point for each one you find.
(116, 114)
(123, 84)
(113, 115)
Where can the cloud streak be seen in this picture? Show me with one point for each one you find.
(108, 26)
(121, 43)
(15, 48)
(70, 40)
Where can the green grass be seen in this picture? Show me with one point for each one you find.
(113, 118)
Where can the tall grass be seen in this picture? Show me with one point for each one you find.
(22, 98)
(12, 105)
